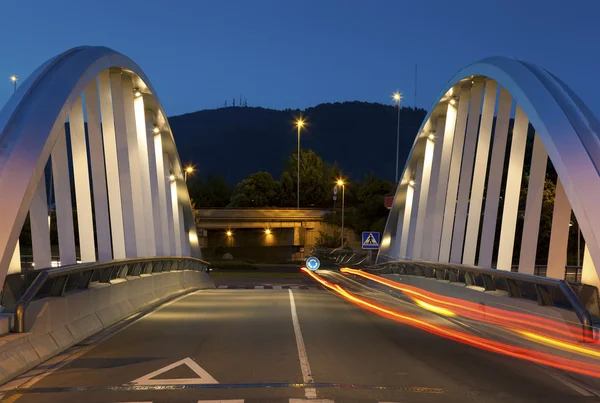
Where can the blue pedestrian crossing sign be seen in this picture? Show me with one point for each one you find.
(370, 240)
(313, 263)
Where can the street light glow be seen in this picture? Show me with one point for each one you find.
(137, 93)
(300, 123)
(229, 233)
(189, 169)
(340, 182)
(171, 177)
(156, 130)
(411, 182)
(431, 136)
(267, 232)
(453, 101)
(397, 97)
(13, 78)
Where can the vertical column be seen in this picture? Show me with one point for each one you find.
(170, 233)
(424, 249)
(480, 171)
(144, 169)
(455, 162)
(121, 135)
(394, 249)
(423, 182)
(176, 221)
(440, 193)
(113, 181)
(136, 167)
(62, 192)
(153, 177)
(533, 208)
(99, 176)
(513, 188)
(589, 273)
(15, 262)
(83, 197)
(466, 173)
(185, 240)
(492, 196)
(40, 231)
(559, 235)
(412, 228)
(162, 176)
(406, 221)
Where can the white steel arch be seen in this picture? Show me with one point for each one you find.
(460, 218)
(130, 196)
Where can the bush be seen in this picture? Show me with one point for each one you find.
(325, 240)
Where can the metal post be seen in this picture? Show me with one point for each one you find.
(397, 141)
(298, 178)
(343, 194)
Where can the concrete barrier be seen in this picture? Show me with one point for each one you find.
(495, 299)
(57, 323)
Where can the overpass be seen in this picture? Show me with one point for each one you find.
(132, 314)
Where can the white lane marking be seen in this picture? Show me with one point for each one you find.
(35, 375)
(222, 401)
(277, 287)
(311, 400)
(222, 286)
(259, 287)
(203, 376)
(310, 393)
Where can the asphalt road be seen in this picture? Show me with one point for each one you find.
(245, 340)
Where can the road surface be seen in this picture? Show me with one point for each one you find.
(253, 344)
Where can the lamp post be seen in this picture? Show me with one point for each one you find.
(299, 124)
(341, 183)
(14, 79)
(397, 98)
(188, 170)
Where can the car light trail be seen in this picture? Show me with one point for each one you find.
(549, 360)
(484, 313)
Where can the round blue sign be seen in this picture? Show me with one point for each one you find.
(313, 263)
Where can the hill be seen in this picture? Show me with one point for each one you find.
(237, 141)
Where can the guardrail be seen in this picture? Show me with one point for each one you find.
(580, 298)
(58, 281)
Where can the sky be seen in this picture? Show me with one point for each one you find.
(296, 54)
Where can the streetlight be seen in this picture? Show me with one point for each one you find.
(341, 183)
(14, 79)
(188, 170)
(229, 233)
(267, 231)
(299, 124)
(397, 98)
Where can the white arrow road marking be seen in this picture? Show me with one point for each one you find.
(203, 376)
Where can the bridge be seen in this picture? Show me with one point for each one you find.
(89, 168)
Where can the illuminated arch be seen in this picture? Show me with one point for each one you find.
(448, 167)
(126, 158)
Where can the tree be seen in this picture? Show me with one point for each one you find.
(257, 190)
(314, 186)
(212, 192)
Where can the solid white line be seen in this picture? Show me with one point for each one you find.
(277, 287)
(310, 393)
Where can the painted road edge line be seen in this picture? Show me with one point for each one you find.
(310, 393)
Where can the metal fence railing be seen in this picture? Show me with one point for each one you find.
(22, 288)
(581, 298)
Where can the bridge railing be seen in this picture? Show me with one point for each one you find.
(56, 282)
(581, 298)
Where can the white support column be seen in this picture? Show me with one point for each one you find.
(414, 213)
(480, 171)
(62, 195)
(425, 251)
(589, 273)
(162, 176)
(492, 196)
(154, 189)
(559, 234)
(15, 261)
(513, 189)
(123, 152)
(113, 185)
(533, 208)
(406, 221)
(457, 151)
(98, 173)
(170, 233)
(83, 196)
(440, 193)
(185, 242)
(466, 173)
(144, 169)
(40, 231)
(135, 169)
(394, 249)
(176, 221)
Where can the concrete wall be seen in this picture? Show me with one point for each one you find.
(54, 324)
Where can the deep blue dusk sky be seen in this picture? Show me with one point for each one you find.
(282, 54)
